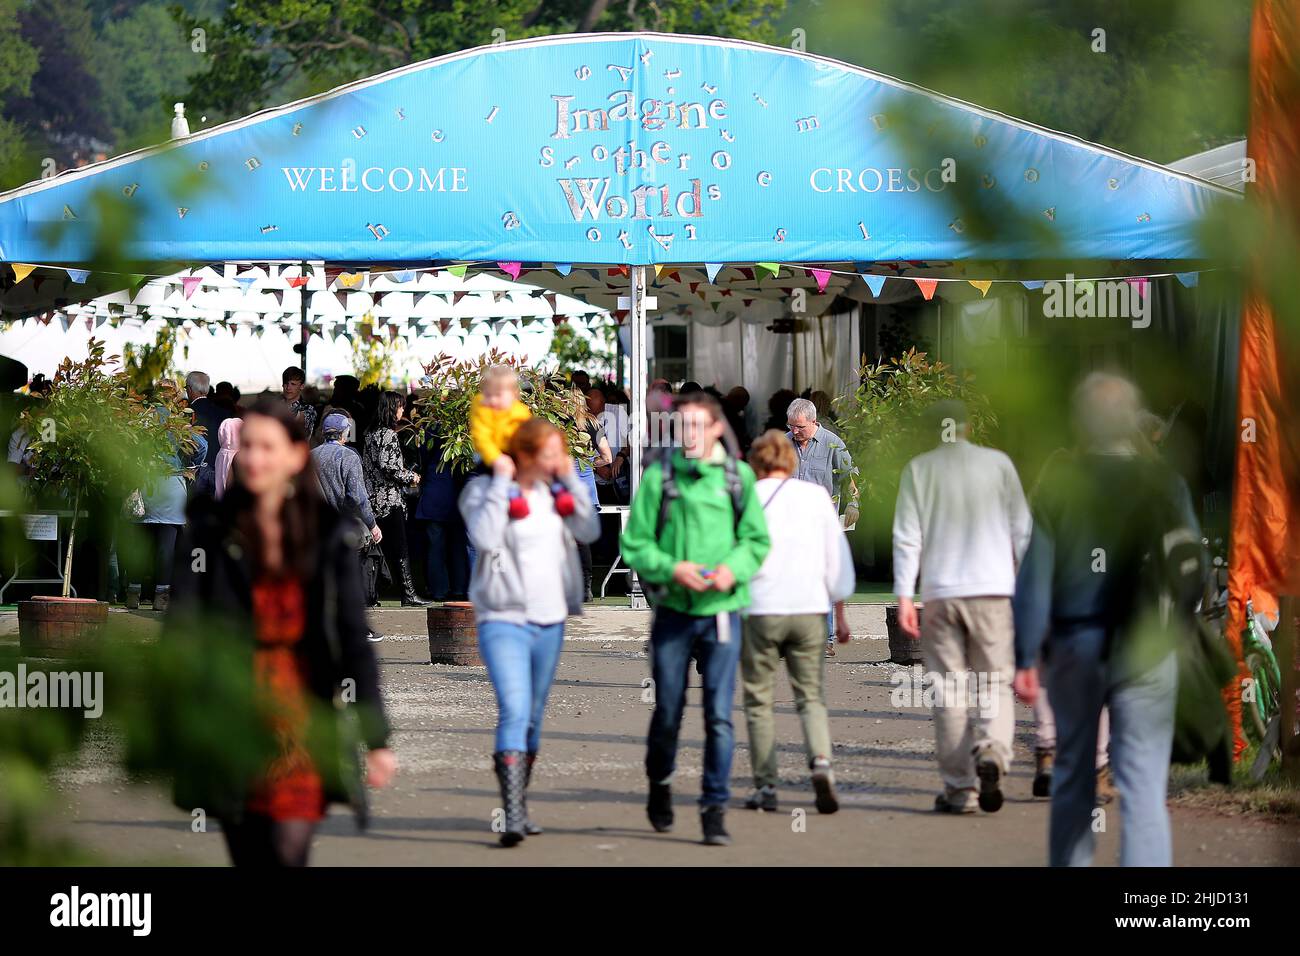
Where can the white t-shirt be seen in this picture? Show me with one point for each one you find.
(539, 553)
(614, 420)
(809, 565)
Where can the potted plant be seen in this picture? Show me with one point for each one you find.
(94, 438)
(883, 423)
(442, 423)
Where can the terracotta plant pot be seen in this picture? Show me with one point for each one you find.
(59, 626)
(453, 637)
(902, 649)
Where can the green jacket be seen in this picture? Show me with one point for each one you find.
(700, 528)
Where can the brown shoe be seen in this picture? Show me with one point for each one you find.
(1106, 791)
(1043, 760)
(830, 649)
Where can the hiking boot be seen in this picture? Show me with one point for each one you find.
(959, 803)
(659, 807)
(764, 798)
(823, 781)
(711, 821)
(1043, 760)
(990, 776)
(1106, 791)
(830, 648)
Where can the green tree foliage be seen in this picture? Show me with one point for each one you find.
(572, 351)
(1167, 78)
(17, 66)
(260, 48)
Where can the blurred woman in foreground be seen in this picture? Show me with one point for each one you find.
(279, 580)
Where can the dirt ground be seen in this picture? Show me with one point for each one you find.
(589, 786)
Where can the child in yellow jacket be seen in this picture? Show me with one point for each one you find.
(494, 416)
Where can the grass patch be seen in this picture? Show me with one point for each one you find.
(1272, 796)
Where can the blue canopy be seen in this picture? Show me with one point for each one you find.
(615, 149)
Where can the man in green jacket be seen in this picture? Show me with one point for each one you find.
(696, 534)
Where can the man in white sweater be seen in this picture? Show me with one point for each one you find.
(962, 522)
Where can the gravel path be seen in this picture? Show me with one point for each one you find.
(588, 790)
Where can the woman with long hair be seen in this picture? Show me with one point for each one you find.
(279, 584)
(526, 581)
(387, 480)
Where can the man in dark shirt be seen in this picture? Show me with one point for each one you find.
(1114, 564)
(206, 412)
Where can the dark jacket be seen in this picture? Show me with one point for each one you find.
(1097, 520)
(440, 489)
(210, 415)
(211, 609)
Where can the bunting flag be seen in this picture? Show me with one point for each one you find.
(331, 273)
(406, 275)
(189, 284)
(822, 276)
(298, 282)
(551, 299)
(246, 282)
(875, 283)
(1188, 279)
(658, 270)
(343, 299)
(1141, 283)
(466, 323)
(981, 284)
(510, 268)
(21, 271)
(927, 287)
(711, 269)
(458, 271)
(457, 296)
(278, 295)
(78, 276)
(137, 282)
(352, 280)
(772, 268)
(498, 295)
(618, 271)
(563, 268)
(1033, 283)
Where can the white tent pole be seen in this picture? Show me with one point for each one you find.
(637, 305)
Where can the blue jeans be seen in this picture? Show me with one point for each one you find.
(675, 639)
(1080, 682)
(521, 661)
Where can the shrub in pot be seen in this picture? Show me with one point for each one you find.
(94, 438)
(884, 423)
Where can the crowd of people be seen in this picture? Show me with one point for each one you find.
(739, 541)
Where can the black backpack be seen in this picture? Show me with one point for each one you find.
(669, 492)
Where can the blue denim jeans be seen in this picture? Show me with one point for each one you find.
(675, 640)
(1080, 682)
(521, 661)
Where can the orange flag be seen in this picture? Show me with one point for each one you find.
(1265, 542)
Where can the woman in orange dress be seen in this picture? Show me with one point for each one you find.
(280, 578)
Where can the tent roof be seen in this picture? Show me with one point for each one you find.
(612, 149)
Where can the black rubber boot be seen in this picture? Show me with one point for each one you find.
(512, 774)
(409, 597)
(531, 828)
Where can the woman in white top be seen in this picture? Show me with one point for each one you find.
(526, 581)
(808, 570)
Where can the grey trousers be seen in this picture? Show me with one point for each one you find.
(1141, 707)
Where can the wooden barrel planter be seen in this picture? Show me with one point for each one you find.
(59, 626)
(902, 649)
(453, 638)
